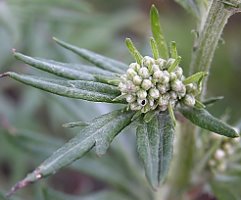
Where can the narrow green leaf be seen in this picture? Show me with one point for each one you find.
(197, 77)
(157, 33)
(59, 70)
(136, 115)
(133, 50)
(75, 124)
(86, 90)
(173, 50)
(199, 104)
(175, 64)
(212, 100)
(154, 48)
(155, 147)
(96, 59)
(204, 119)
(108, 80)
(172, 114)
(98, 134)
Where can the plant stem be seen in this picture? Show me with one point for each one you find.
(206, 44)
(202, 56)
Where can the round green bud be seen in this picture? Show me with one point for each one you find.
(158, 75)
(189, 100)
(141, 94)
(137, 80)
(177, 85)
(131, 73)
(146, 84)
(170, 62)
(178, 71)
(135, 66)
(173, 76)
(130, 98)
(143, 72)
(161, 63)
(147, 60)
(154, 93)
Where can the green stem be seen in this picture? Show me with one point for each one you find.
(202, 56)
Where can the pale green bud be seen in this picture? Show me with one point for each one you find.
(163, 100)
(143, 72)
(137, 80)
(162, 88)
(131, 73)
(178, 71)
(146, 84)
(158, 75)
(173, 95)
(219, 154)
(166, 77)
(147, 60)
(155, 68)
(177, 85)
(141, 94)
(130, 98)
(161, 63)
(189, 100)
(135, 106)
(154, 93)
(135, 66)
(146, 108)
(173, 76)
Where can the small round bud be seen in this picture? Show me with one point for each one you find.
(162, 88)
(189, 100)
(189, 87)
(177, 85)
(161, 63)
(219, 154)
(135, 66)
(155, 68)
(166, 77)
(173, 95)
(173, 76)
(130, 87)
(146, 84)
(178, 71)
(170, 62)
(130, 98)
(154, 93)
(141, 94)
(135, 106)
(182, 92)
(173, 102)
(131, 73)
(158, 75)
(137, 80)
(163, 100)
(147, 60)
(143, 72)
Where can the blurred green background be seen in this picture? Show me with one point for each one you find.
(101, 26)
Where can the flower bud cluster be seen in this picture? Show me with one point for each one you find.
(219, 160)
(151, 86)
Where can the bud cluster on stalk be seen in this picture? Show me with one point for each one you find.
(219, 160)
(151, 85)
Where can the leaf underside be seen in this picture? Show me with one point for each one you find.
(204, 119)
(99, 134)
(155, 147)
(79, 89)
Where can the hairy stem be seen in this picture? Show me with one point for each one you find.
(202, 56)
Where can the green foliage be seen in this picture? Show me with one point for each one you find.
(154, 145)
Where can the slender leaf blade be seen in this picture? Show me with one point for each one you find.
(204, 119)
(59, 70)
(98, 134)
(96, 59)
(157, 33)
(86, 90)
(133, 50)
(155, 146)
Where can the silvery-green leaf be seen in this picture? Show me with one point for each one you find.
(80, 89)
(204, 119)
(157, 33)
(212, 100)
(75, 124)
(98, 134)
(65, 70)
(197, 77)
(96, 59)
(133, 50)
(155, 146)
